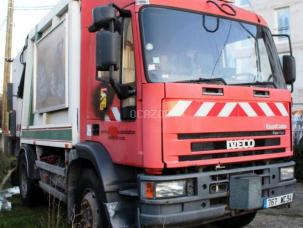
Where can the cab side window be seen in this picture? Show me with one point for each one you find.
(128, 75)
(128, 56)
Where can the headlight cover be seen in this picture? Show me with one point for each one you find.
(170, 189)
(287, 173)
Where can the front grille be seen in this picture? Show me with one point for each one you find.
(230, 147)
(184, 158)
(229, 134)
(221, 145)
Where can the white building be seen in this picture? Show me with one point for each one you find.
(284, 17)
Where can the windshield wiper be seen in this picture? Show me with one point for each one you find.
(201, 80)
(258, 83)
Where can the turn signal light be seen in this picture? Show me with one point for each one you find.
(149, 190)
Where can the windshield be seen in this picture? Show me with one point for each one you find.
(182, 46)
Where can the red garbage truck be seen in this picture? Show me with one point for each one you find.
(153, 113)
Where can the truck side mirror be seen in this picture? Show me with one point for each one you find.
(289, 69)
(102, 16)
(108, 50)
(289, 63)
(108, 45)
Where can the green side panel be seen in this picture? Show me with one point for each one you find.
(57, 134)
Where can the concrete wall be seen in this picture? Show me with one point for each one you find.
(267, 8)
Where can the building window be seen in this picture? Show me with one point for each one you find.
(283, 21)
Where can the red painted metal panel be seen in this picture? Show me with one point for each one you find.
(185, 121)
(208, 7)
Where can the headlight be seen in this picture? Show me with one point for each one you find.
(286, 173)
(168, 189)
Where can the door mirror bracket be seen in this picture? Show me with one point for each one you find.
(123, 91)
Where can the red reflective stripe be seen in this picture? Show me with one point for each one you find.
(286, 106)
(257, 109)
(216, 109)
(238, 111)
(192, 109)
(111, 115)
(274, 109)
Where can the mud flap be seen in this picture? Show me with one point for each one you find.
(245, 192)
(121, 214)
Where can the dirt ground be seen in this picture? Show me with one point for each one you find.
(282, 218)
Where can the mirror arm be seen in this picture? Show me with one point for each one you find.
(289, 41)
(122, 12)
(123, 91)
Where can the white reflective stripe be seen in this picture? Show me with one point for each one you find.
(205, 109)
(179, 108)
(106, 118)
(227, 109)
(116, 113)
(248, 109)
(266, 109)
(282, 109)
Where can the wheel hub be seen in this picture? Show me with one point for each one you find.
(89, 211)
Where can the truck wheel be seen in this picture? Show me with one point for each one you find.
(90, 201)
(30, 193)
(236, 222)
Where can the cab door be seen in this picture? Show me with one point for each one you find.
(113, 121)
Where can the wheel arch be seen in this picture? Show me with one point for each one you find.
(94, 156)
(113, 177)
(97, 155)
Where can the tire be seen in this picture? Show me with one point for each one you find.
(90, 200)
(30, 193)
(236, 222)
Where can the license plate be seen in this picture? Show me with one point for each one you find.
(279, 200)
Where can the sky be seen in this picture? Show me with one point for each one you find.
(25, 19)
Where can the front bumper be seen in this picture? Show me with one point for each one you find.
(207, 205)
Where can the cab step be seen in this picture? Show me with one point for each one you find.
(132, 192)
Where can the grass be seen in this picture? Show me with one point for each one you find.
(5, 166)
(48, 215)
(43, 216)
(24, 217)
(20, 216)
(51, 214)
